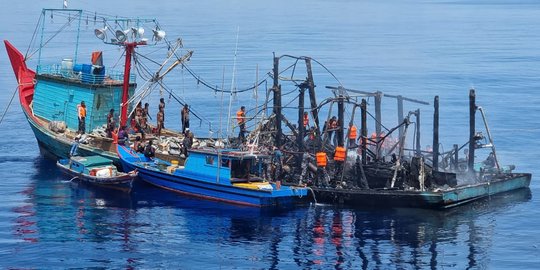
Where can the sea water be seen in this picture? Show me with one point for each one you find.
(418, 49)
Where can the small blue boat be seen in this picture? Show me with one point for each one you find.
(97, 170)
(223, 175)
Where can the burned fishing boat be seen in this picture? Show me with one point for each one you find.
(343, 167)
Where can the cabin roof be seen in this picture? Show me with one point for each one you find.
(90, 161)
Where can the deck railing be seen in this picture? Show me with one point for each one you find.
(108, 77)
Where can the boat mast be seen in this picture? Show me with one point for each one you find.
(130, 47)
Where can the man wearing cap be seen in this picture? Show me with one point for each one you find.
(81, 109)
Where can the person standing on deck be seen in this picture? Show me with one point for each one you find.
(185, 118)
(146, 111)
(111, 123)
(160, 118)
(81, 111)
(162, 109)
(75, 146)
(123, 136)
(306, 120)
(241, 119)
(138, 113)
(332, 125)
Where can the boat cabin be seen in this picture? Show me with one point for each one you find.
(229, 166)
(61, 87)
(85, 164)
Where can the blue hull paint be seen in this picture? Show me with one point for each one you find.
(286, 196)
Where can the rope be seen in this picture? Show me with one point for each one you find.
(9, 104)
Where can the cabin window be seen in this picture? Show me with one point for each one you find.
(210, 160)
(225, 163)
(240, 168)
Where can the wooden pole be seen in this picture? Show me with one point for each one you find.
(277, 102)
(341, 118)
(472, 130)
(456, 156)
(378, 115)
(363, 107)
(418, 148)
(436, 134)
(313, 98)
(301, 128)
(400, 114)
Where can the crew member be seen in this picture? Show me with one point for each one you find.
(162, 108)
(111, 123)
(149, 151)
(241, 119)
(352, 136)
(81, 109)
(123, 136)
(139, 113)
(75, 146)
(160, 119)
(306, 120)
(185, 118)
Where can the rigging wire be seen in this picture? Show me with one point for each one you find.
(9, 104)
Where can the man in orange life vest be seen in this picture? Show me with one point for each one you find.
(241, 119)
(81, 111)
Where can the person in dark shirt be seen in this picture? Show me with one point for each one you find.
(149, 151)
(122, 135)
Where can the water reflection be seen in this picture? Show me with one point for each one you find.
(148, 226)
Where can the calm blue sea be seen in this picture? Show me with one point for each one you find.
(411, 47)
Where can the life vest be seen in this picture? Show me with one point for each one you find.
(339, 155)
(240, 116)
(115, 136)
(306, 120)
(82, 111)
(352, 133)
(321, 159)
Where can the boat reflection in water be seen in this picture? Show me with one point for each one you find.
(84, 226)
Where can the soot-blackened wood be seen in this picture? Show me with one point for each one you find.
(363, 107)
(313, 99)
(436, 134)
(472, 129)
(277, 101)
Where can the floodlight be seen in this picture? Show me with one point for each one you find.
(158, 35)
(137, 32)
(121, 36)
(101, 33)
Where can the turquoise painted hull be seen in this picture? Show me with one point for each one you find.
(58, 146)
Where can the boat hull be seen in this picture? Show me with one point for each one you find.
(58, 146)
(123, 182)
(285, 197)
(423, 199)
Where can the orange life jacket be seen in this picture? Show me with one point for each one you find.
(82, 111)
(352, 133)
(240, 116)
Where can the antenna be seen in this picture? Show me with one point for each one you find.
(232, 81)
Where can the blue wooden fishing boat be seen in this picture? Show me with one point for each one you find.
(51, 93)
(97, 170)
(222, 175)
